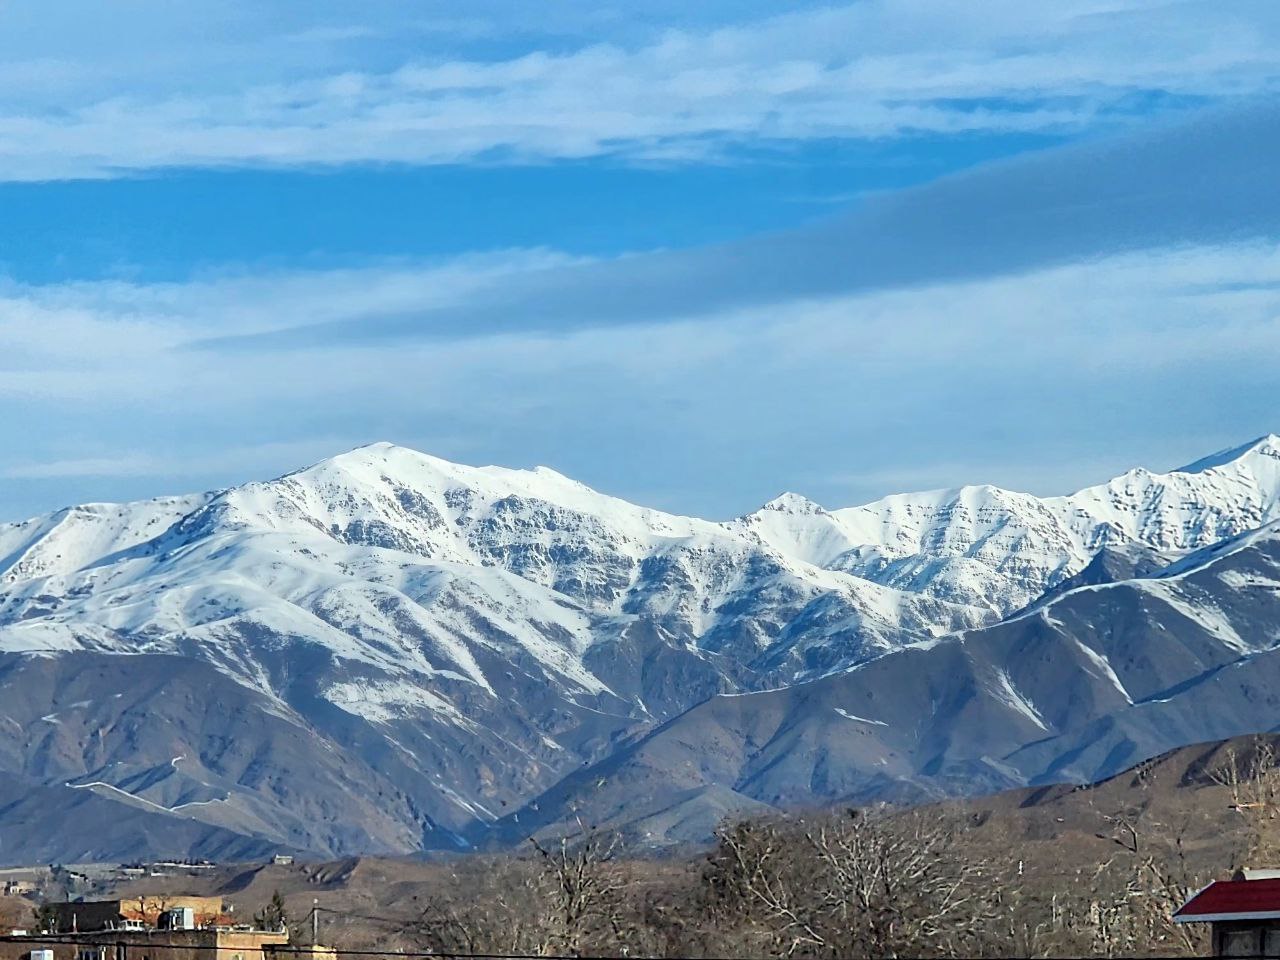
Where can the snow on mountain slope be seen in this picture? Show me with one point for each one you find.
(1098, 678)
(368, 547)
(484, 630)
(473, 634)
(79, 536)
(363, 550)
(984, 545)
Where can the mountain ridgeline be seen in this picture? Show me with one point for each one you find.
(387, 652)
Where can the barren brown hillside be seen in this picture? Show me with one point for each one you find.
(1196, 813)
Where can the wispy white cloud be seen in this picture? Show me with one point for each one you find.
(867, 70)
(1151, 357)
(156, 464)
(1208, 181)
(125, 465)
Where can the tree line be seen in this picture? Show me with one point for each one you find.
(879, 882)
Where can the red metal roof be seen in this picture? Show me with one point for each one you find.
(1233, 900)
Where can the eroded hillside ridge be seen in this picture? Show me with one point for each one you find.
(404, 652)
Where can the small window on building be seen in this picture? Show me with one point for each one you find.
(1271, 942)
(1240, 943)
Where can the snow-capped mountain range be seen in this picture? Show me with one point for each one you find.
(406, 652)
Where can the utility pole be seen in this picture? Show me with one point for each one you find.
(315, 921)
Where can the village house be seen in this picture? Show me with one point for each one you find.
(152, 927)
(87, 916)
(1244, 913)
(212, 943)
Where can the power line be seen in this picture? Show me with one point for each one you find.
(398, 921)
(101, 938)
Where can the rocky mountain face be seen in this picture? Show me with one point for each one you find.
(1074, 690)
(388, 652)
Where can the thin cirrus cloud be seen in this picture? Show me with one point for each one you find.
(867, 70)
(132, 464)
(1059, 376)
(1209, 180)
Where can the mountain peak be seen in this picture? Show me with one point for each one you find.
(384, 449)
(1267, 445)
(793, 503)
(374, 448)
(363, 453)
(384, 455)
(450, 613)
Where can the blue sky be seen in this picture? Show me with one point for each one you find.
(692, 255)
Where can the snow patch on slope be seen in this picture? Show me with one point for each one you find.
(1008, 694)
(857, 719)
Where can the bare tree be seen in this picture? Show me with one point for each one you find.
(1135, 892)
(859, 884)
(752, 874)
(564, 900)
(1253, 779)
(582, 890)
(926, 882)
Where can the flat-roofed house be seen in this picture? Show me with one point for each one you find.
(84, 916)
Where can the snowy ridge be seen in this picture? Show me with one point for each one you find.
(515, 623)
(388, 557)
(988, 545)
(79, 536)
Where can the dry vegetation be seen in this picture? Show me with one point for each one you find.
(1058, 871)
(1091, 872)
(854, 883)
